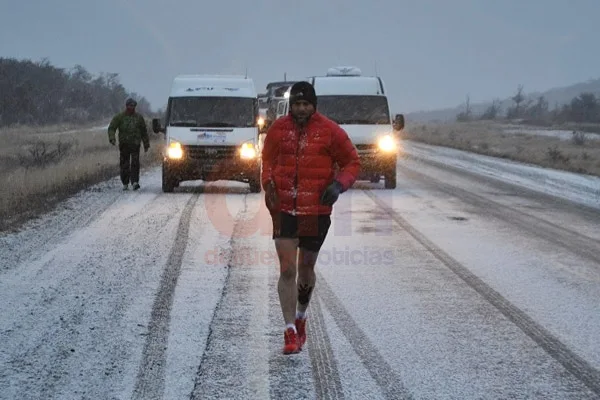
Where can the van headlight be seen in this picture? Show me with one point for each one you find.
(175, 151)
(387, 143)
(248, 152)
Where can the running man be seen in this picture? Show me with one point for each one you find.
(301, 185)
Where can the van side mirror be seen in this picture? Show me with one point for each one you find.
(156, 126)
(398, 122)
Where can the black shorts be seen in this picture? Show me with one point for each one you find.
(311, 230)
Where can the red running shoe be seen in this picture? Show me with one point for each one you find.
(292, 344)
(301, 329)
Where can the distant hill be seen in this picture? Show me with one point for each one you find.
(556, 96)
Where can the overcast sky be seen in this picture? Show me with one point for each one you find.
(430, 53)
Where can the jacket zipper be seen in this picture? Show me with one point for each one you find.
(296, 176)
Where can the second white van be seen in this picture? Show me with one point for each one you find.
(359, 104)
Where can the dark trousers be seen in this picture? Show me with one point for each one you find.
(129, 162)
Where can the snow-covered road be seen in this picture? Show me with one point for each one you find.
(456, 285)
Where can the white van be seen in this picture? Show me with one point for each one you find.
(359, 105)
(211, 131)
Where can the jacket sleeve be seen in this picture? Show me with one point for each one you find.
(269, 154)
(144, 132)
(112, 127)
(345, 155)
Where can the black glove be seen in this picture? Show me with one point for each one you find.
(112, 141)
(271, 198)
(331, 194)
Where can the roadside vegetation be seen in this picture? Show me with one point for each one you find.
(40, 169)
(53, 135)
(581, 113)
(489, 131)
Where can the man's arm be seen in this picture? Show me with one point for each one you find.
(269, 154)
(112, 128)
(144, 132)
(345, 155)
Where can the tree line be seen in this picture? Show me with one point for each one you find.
(584, 108)
(38, 93)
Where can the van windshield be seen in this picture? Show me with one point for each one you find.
(364, 110)
(263, 102)
(234, 112)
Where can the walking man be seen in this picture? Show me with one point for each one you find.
(132, 132)
(299, 177)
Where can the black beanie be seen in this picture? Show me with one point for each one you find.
(303, 91)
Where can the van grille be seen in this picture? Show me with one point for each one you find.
(365, 149)
(366, 146)
(210, 152)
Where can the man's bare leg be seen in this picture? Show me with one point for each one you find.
(287, 251)
(306, 278)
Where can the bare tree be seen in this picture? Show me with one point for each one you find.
(518, 99)
(465, 115)
(492, 111)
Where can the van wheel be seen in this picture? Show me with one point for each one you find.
(254, 186)
(168, 183)
(390, 179)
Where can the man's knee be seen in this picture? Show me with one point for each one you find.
(307, 258)
(287, 252)
(288, 272)
(286, 245)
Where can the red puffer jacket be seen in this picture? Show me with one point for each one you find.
(301, 162)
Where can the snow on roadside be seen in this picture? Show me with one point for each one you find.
(581, 189)
(535, 131)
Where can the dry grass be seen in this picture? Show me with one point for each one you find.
(28, 130)
(39, 168)
(581, 156)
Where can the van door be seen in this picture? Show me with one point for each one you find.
(281, 109)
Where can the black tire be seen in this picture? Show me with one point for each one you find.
(254, 186)
(168, 183)
(390, 179)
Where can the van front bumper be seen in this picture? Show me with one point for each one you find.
(211, 163)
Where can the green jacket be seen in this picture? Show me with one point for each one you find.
(132, 129)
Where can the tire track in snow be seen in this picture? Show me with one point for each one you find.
(570, 240)
(71, 302)
(38, 236)
(520, 188)
(290, 376)
(231, 365)
(150, 379)
(324, 365)
(573, 363)
(379, 369)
